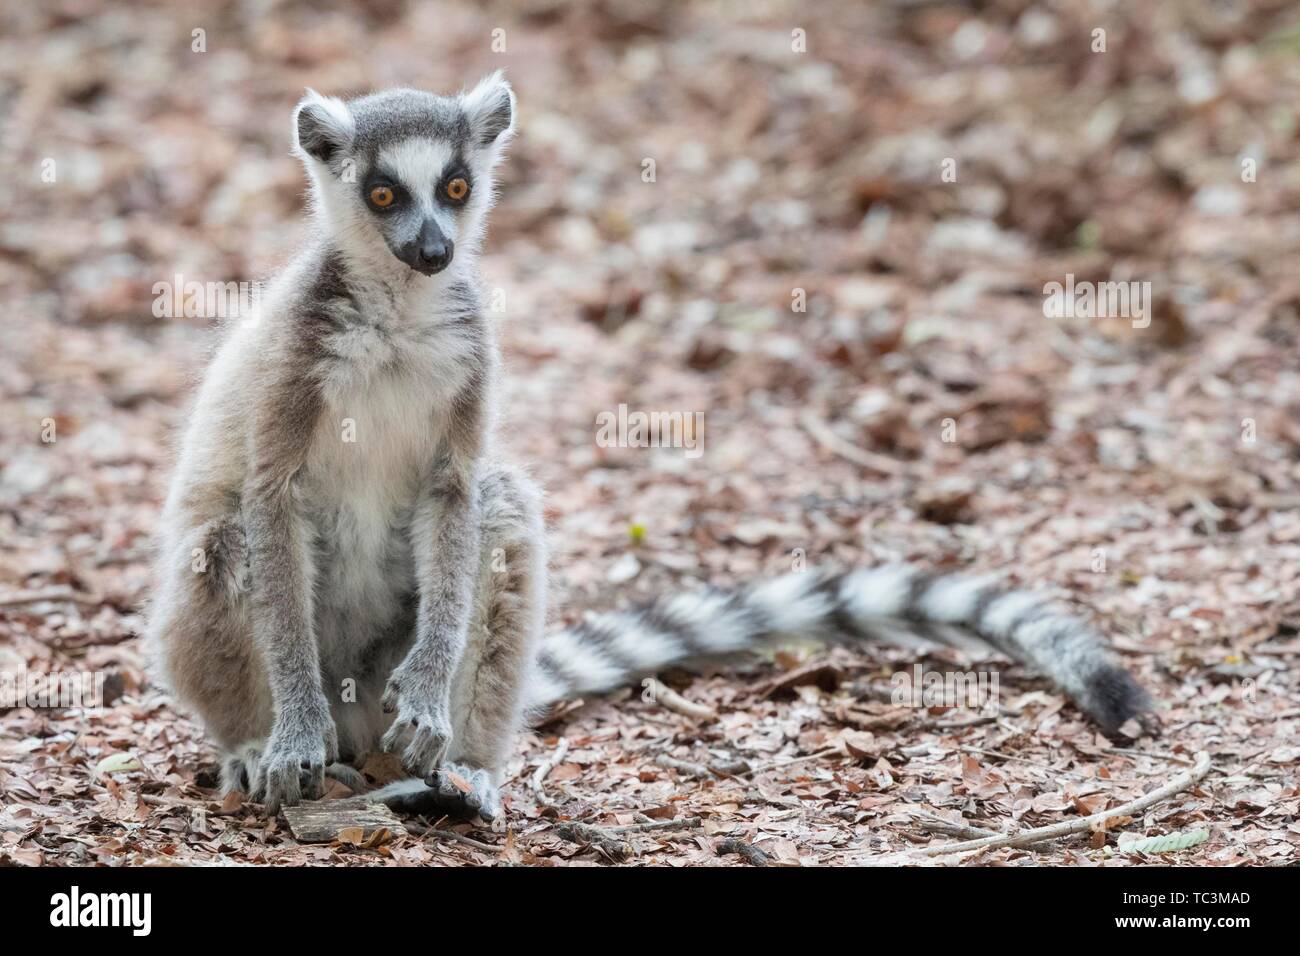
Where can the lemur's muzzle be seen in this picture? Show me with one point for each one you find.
(430, 252)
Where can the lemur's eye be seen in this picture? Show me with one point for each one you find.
(382, 196)
(457, 189)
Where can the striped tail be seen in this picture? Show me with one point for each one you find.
(872, 604)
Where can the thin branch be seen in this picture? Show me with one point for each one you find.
(561, 750)
(418, 829)
(665, 696)
(789, 761)
(832, 442)
(686, 823)
(604, 841)
(58, 592)
(936, 824)
(686, 767)
(1097, 821)
(1153, 754)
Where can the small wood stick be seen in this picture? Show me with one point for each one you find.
(791, 761)
(687, 823)
(686, 767)
(667, 697)
(419, 829)
(859, 456)
(609, 845)
(1096, 821)
(928, 821)
(561, 750)
(57, 592)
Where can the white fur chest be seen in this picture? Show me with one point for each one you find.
(387, 394)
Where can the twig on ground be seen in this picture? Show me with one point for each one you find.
(419, 829)
(154, 800)
(561, 750)
(665, 696)
(751, 853)
(1027, 761)
(685, 823)
(934, 824)
(777, 764)
(832, 442)
(1154, 755)
(59, 592)
(1083, 825)
(936, 724)
(604, 841)
(730, 768)
(686, 767)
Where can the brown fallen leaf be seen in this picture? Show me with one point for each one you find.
(458, 781)
(351, 836)
(860, 744)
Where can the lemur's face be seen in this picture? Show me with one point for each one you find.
(409, 168)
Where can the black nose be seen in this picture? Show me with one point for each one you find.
(429, 252)
(436, 251)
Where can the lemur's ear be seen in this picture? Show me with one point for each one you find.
(490, 107)
(322, 126)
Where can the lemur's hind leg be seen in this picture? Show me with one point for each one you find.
(488, 691)
(200, 634)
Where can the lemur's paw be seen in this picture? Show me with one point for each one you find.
(428, 736)
(292, 768)
(423, 720)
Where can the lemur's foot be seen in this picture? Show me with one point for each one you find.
(444, 794)
(349, 776)
(239, 768)
(482, 797)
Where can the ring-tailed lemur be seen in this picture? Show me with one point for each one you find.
(341, 542)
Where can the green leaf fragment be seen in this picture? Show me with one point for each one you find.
(1169, 843)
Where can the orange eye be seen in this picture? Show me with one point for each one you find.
(382, 196)
(457, 189)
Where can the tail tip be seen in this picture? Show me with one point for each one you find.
(1114, 698)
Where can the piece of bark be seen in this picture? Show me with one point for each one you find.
(323, 821)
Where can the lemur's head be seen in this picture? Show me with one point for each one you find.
(407, 167)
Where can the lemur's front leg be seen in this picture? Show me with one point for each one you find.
(303, 738)
(445, 540)
(489, 690)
